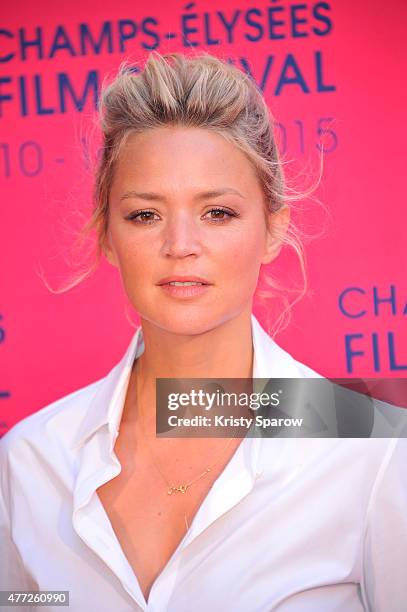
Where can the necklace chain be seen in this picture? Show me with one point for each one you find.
(182, 488)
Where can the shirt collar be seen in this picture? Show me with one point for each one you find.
(269, 359)
(106, 406)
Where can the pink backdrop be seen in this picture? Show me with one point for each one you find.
(331, 72)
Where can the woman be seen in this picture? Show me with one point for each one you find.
(190, 189)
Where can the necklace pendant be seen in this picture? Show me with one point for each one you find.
(179, 489)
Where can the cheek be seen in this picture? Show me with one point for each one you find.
(136, 257)
(242, 252)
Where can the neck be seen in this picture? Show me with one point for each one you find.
(225, 351)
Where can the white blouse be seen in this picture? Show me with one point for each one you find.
(290, 525)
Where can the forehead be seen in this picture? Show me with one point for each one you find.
(179, 157)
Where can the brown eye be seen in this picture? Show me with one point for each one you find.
(220, 215)
(144, 217)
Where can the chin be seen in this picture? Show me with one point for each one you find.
(186, 322)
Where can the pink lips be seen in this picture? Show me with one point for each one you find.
(182, 279)
(187, 291)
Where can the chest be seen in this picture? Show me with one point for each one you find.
(275, 550)
(148, 523)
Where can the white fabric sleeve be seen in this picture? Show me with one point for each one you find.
(12, 573)
(384, 579)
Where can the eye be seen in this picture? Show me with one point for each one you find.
(146, 217)
(141, 214)
(223, 211)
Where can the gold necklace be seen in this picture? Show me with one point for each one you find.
(182, 488)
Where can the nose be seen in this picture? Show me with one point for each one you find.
(181, 236)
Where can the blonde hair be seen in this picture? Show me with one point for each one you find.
(197, 91)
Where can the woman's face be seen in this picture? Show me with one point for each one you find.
(174, 179)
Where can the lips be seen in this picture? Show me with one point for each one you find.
(183, 279)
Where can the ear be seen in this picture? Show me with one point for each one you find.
(109, 251)
(277, 225)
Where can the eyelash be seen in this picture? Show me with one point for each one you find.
(137, 214)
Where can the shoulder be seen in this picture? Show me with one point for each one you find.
(341, 457)
(383, 583)
(392, 473)
(51, 427)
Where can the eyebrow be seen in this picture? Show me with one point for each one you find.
(203, 195)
